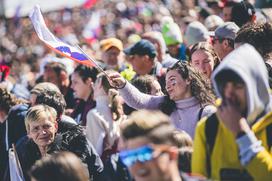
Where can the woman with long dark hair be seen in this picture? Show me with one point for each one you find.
(189, 96)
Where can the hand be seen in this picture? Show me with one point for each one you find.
(116, 80)
(230, 116)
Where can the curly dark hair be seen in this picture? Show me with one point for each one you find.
(258, 35)
(200, 87)
(7, 100)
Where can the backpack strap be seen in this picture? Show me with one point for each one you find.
(269, 136)
(210, 132)
(200, 113)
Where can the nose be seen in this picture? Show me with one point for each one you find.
(228, 90)
(43, 131)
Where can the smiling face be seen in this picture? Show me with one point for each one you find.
(176, 87)
(43, 131)
(203, 61)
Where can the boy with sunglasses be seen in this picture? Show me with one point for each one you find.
(150, 152)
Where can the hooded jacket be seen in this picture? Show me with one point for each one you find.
(224, 159)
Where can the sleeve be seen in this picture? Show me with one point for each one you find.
(199, 161)
(134, 98)
(95, 131)
(254, 157)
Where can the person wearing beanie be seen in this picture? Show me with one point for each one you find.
(196, 32)
(173, 39)
(212, 22)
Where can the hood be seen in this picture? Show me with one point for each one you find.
(246, 62)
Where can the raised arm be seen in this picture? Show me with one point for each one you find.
(132, 96)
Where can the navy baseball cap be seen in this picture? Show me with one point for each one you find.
(142, 47)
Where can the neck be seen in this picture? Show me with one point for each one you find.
(43, 150)
(174, 173)
(87, 95)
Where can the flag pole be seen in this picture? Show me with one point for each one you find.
(93, 61)
(97, 66)
(17, 161)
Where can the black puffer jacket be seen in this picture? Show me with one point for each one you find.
(72, 140)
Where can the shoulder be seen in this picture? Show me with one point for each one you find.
(208, 110)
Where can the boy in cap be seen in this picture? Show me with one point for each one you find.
(223, 40)
(112, 56)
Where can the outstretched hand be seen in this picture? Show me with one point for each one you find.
(116, 80)
(232, 118)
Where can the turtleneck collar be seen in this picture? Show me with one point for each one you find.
(186, 103)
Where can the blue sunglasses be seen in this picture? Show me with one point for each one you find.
(142, 154)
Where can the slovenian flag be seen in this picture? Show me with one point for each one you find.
(53, 42)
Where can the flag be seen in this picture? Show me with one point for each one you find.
(15, 169)
(53, 42)
(89, 3)
(92, 30)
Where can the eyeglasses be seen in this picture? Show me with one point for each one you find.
(142, 154)
(214, 39)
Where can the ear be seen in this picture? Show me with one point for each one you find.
(225, 43)
(63, 75)
(148, 60)
(89, 81)
(173, 153)
(188, 81)
(56, 126)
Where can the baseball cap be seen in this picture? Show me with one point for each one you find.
(227, 30)
(142, 47)
(111, 42)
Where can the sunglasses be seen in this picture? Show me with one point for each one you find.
(142, 154)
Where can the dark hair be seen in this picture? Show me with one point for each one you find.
(258, 35)
(225, 76)
(242, 13)
(230, 4)
(59, 166)
(184, 158)
(144, 83)
(199, 84)
(86, 72)
(52, 99)
(7, 100)
(206, 47)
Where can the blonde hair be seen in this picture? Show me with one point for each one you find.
(36, 113)
(153, 125)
